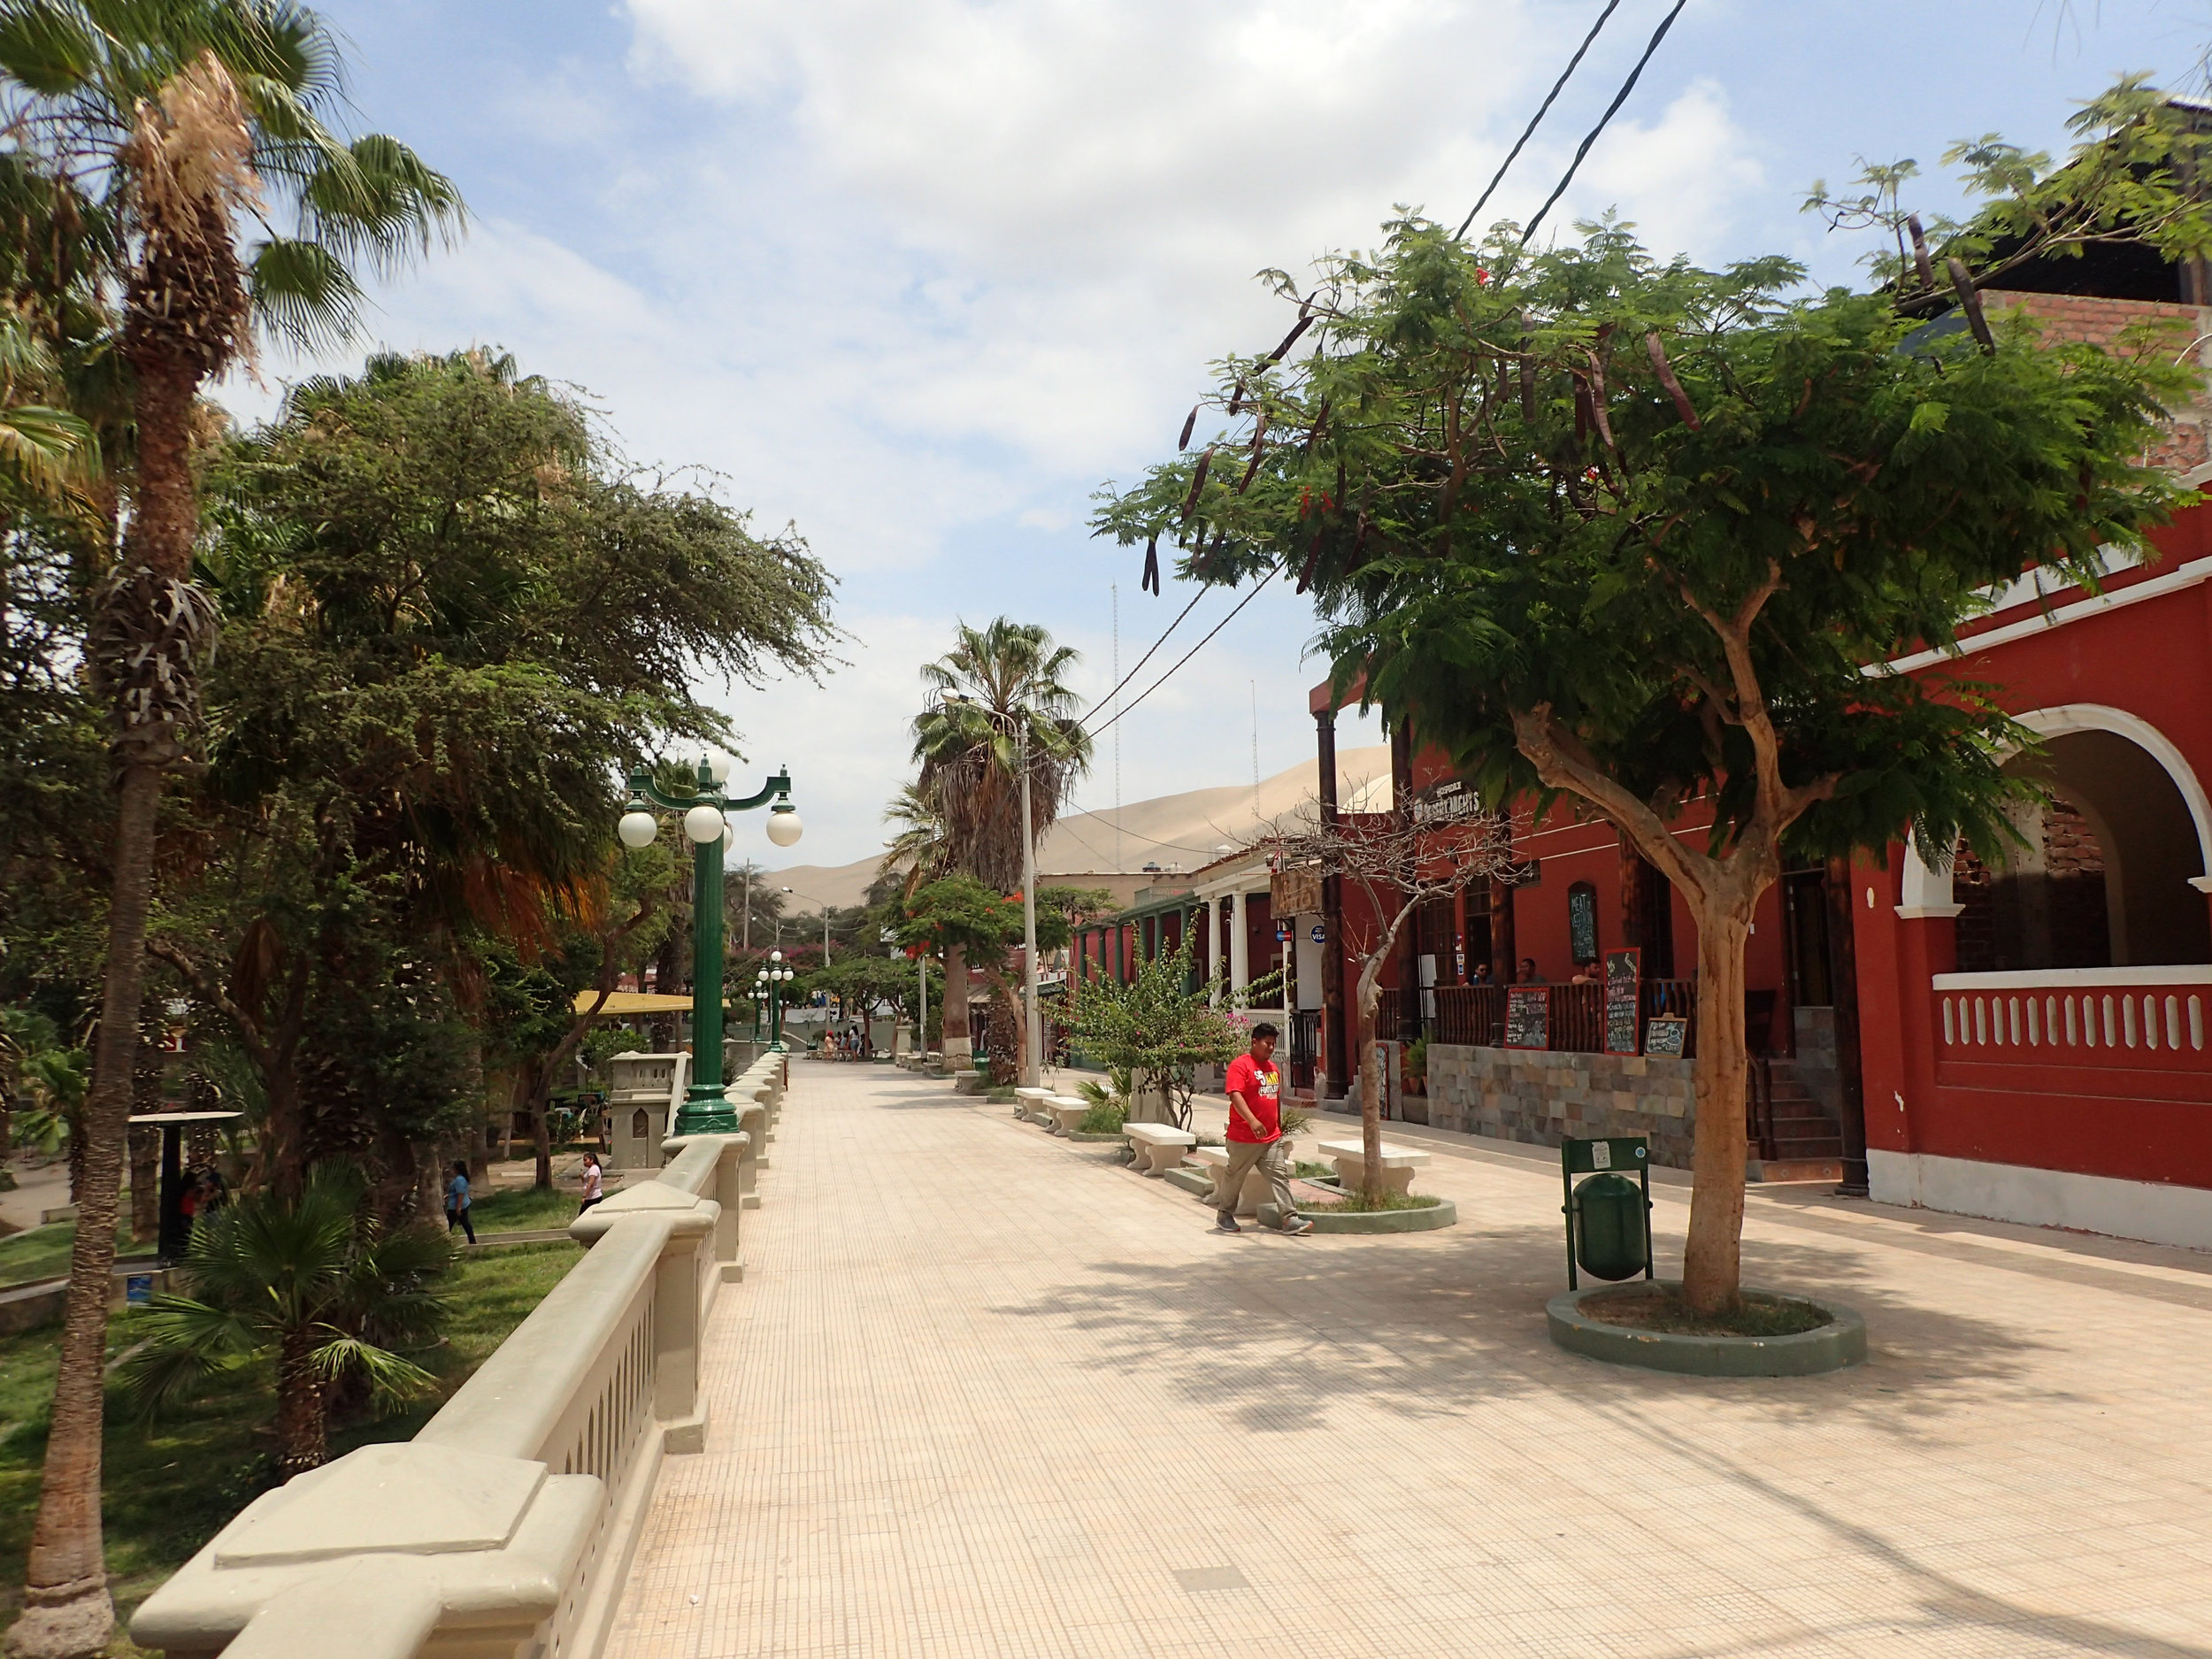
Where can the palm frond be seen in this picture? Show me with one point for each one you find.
(393, 1379)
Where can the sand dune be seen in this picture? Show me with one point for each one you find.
(1174, 831)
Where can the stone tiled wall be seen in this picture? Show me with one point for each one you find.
(1537, 1098)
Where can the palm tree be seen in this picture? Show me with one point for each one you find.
(166, 126)
(312, 1283)
(997, 695)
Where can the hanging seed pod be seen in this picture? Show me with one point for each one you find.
(1320, 419)
(1299, 327)
(1339, 502)
(1236, 398)
(1582, 410)
(1245, 482)
(1313, 557)
(1213, 551)
(1921, 262)
(1667, 378)
(1189, 424)
(1598, 396)
(1197, 482)
(1528, 390)
(1972, 301)
(1150, 579)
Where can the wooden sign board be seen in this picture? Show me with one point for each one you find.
(1295, 891)
(1667, 1034)
(1624, 995)
(1527, 1017)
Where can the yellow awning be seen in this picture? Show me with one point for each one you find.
(633, 1002)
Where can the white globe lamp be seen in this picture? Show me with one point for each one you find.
(784, 827)
(703, 825)
(637, 829)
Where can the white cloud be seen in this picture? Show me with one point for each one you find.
(919, 276)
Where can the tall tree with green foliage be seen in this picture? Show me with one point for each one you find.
(453, 621)
(1641, 534)
(998, 702)
(184, 133)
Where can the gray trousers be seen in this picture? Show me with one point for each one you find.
(1267, 1158)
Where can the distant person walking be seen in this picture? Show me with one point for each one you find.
(1255, 1133)
(595, 1182)
(457, 1203)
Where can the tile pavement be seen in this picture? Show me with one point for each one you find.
(1017, 1419)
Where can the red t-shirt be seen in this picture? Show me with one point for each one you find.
(1262, 1086)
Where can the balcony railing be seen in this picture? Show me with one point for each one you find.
(2092, 1030)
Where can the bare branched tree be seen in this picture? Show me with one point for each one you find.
(1395, 867)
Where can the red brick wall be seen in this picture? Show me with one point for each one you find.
(2100, 322)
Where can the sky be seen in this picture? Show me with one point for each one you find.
(920, 277)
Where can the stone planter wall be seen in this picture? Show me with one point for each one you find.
(1537, 1097)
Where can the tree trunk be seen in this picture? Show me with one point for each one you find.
(956, 1003)
(1371, 1084)
(66, 1609)
(145, 1154)
(300, 1412)
(1712, 1258)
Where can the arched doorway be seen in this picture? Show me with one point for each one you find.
(2111, 872)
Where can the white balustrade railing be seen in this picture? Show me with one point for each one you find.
(505, 1528)
(2141, 1016)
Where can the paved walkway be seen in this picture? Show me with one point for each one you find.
(983, 1393)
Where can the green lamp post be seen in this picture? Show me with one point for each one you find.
(768, 984)
(705, 812)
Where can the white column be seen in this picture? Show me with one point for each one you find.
(1239, 948)
(1221, 940)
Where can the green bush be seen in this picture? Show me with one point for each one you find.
(1105, 1118)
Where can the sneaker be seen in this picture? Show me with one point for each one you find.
(1297, 1224)
(1225, 1221)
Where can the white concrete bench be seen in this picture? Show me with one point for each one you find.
(1215, 1162)
(1159, 1147)
(1030, 1103)
(1350, 1158)
(1068, 1113)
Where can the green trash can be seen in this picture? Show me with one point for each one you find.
(1610, 1227)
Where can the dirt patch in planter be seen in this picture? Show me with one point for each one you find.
(1661, 1309)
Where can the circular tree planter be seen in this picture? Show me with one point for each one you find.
(1443, 1213)
(1830, 1347)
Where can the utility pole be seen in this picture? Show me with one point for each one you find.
(1033, 1045)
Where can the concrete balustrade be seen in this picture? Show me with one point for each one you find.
(505, 1528)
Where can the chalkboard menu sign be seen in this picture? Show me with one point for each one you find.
(1624, 982)
(1527, 1017)
(1666, 1034)
(1582, 923)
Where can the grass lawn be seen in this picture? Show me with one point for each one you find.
(524, 1209)
(43, 1252)
(168, 1489)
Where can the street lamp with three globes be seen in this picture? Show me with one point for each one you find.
(705, 813)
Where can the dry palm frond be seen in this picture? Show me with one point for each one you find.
(191, 161)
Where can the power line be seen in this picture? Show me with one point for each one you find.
(1147, 657)
(1612, 109)
(1619, 98)
(1542, 110)
(1256, 590)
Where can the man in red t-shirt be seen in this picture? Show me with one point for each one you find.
(1255, 1133)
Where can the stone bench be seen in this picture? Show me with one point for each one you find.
(1350, 1159)
(1215, 1162)
(1030, 1104)
(1159, 1147)
(1068, 1112)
